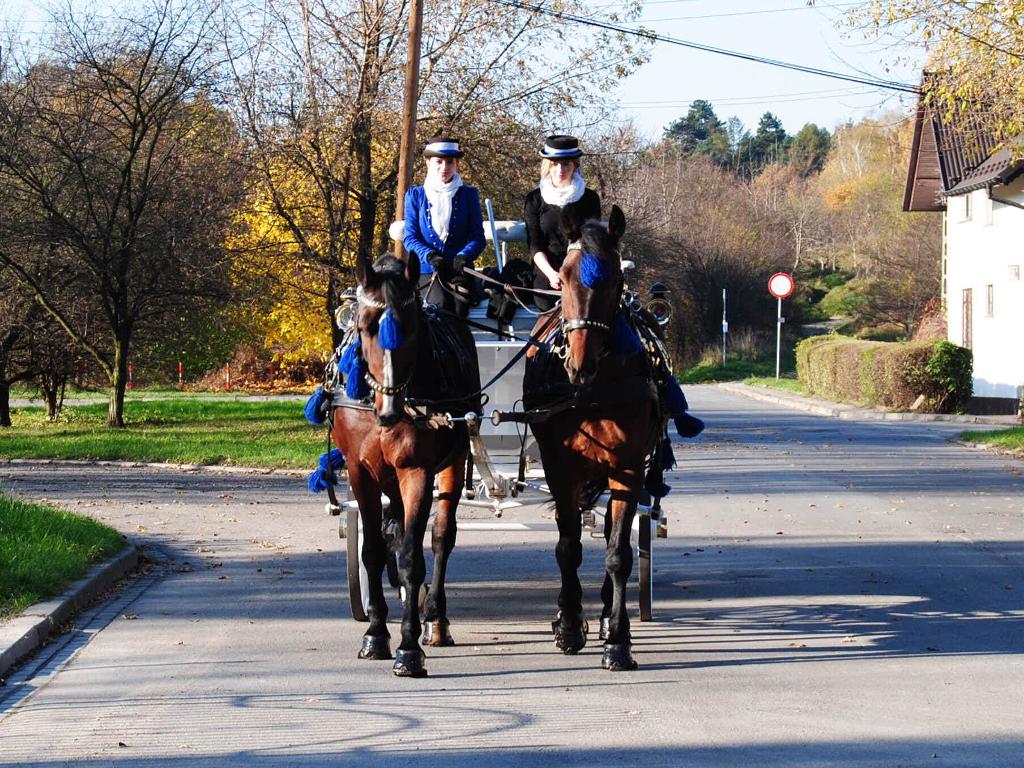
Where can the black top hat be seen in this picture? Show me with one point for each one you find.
(561, 147)
(442, 146)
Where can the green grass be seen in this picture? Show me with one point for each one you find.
(788, 384)
(181, 430)
(1011, 439)
(44, 549)
(732, 371)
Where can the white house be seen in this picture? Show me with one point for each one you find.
(981, 193)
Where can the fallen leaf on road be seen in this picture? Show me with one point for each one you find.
(179, 642)
(121, 744)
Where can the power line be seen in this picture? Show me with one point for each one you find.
(748, 13)
(890, 85)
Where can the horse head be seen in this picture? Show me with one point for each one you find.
(387, 324)
(591, 290)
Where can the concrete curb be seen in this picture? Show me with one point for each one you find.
(167, 466)
(25, 633)
(843, 411)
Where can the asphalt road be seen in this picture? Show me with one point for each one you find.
(831, 593)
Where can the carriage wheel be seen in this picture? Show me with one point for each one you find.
(357, 577)
(644, 569)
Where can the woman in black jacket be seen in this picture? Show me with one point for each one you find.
(561, 184)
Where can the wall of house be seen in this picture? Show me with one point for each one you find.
(985, 253)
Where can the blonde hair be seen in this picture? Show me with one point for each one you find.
(546, 164)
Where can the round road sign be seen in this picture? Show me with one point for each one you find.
(780, 285)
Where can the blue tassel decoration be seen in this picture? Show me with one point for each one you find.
(315, 412)
(688, 426)
(594, 270)
(675, 400)
(656, 487)
(356, 387)
(349, 357)
(324, 476)
(625, 340)
(389, 333)
(668, 458)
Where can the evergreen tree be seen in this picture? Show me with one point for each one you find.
(808, 150)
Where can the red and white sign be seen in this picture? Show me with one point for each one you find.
(780, 285)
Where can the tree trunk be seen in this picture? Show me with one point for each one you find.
(118, 383)
(5, 404)
(51, 393)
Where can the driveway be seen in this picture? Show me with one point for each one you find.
(831, 593)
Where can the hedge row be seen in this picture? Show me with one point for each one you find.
(888, 374)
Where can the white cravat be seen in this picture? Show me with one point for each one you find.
(440, 196)
(562, 196)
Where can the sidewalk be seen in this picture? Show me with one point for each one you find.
(853, 412)
(23, 634)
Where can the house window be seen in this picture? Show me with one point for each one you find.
(1015, 271)
(990, 301)
(967, 206)
(967, 312)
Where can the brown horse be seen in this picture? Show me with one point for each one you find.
(392, 451)
(604, 439)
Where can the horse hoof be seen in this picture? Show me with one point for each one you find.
(375, 648)
(409, 664)
(436, 633)
(570, 640)
(618, 658)
(606, 624)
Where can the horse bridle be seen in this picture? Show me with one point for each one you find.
(569, 325)
(371, 382)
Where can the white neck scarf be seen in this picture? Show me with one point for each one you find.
(562, 196)
(440, 195)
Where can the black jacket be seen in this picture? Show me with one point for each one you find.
(543, 223)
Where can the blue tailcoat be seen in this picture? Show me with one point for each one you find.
(465, 229)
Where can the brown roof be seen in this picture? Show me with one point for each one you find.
(1000, 168)
(945, 153)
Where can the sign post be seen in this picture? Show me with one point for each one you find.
(725, 326)
(780, 285)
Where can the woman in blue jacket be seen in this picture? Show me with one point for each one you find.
(444, 227)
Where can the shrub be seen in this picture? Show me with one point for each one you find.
(892, 375)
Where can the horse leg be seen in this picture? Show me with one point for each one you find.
(416, 486)
(569, 626)
(376, 640)
(619, 564)
(607, 590)
(435, 611)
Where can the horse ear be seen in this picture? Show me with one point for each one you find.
(412, 268)
(364, 270)
(616, 223)
(569, 223)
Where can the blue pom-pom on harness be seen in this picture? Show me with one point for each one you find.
(315, 411)
(356, 387)
(594, 270)
(349, 357)
(625, 340)
(389, 332)
(324, 477)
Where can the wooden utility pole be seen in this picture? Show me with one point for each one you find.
(411, 99)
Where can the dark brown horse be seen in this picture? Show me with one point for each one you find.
(604, 439)
(391, 451)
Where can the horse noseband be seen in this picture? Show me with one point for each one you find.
(584, 324)
(380, 389)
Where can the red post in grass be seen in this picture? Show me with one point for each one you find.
(227, 377)
(131, 382)
(181, 375)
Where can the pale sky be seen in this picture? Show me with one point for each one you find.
(780, 29)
